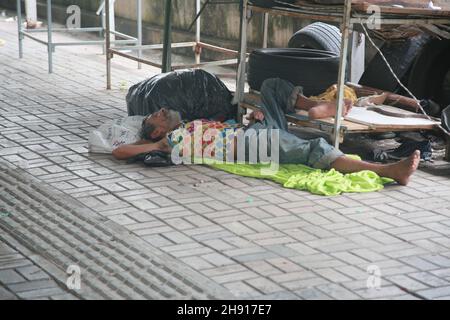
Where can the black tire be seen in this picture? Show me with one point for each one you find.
(429, 77)
(264, 3)
(329, 1)
(270, 3)
(314, 70)
(400, 56)
(318, 35)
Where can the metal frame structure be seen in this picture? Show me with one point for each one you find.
(167, 44)
(51, 45)
(347, 19)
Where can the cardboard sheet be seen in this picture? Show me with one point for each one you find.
(364, 116)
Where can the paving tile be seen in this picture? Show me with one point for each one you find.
(256, 238)
(337, 292)
(264, 285)
(6, 294)
(429, 279)
(435, 292)
(10, 276)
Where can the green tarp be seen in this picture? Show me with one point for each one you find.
(296, 176)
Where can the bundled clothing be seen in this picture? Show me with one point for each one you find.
(196, 94)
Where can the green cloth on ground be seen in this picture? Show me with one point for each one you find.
(321, 182)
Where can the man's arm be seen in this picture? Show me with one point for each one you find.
(127, 151)
(321, 109)
(305, 103)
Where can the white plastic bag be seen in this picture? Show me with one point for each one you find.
(114, 133)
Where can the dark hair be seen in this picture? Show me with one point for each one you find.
(146, 131)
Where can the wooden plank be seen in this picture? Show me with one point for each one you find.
(405, 3)
(252, 99)
(410, 10)
(302, 118)
(328, 16)
(347, 125)
(377, 120)
(409, 6)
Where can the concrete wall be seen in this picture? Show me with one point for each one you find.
(220, 23)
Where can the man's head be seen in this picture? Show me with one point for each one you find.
(156, 125)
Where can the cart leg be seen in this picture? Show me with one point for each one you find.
(50, 48)
(197, 32)
(265, 29)
(19, 28)
(108, 46)
(167, 46)
(447, 148)
(240, 81)
(102, 33)
(342, 72)
(139, 30)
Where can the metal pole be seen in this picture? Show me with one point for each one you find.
(197, 31)
(265, 29)
(240, 81)
(31, 11)
(167, 45)
(108, 46)
(342, 71)
(49, 36)
(19, 28)
(112, 19)
(139, 30)
(102, 14)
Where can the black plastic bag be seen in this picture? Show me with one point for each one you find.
(153, 159)
(196, 94)
(445, 118)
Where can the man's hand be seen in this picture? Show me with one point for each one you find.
(143, 146)
(348, 105)
(255, 116)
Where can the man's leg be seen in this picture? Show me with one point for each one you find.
(278, 98)
(400, 171)
(317, 153)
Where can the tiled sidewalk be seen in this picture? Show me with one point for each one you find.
(254, 237)
(20, 278)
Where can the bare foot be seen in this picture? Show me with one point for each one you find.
(402, 170)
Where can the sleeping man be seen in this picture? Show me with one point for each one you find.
(267, 134)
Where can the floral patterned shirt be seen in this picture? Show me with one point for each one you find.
(212, 138)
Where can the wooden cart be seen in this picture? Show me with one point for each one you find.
(347, 16)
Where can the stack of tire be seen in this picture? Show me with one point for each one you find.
(311, 60)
